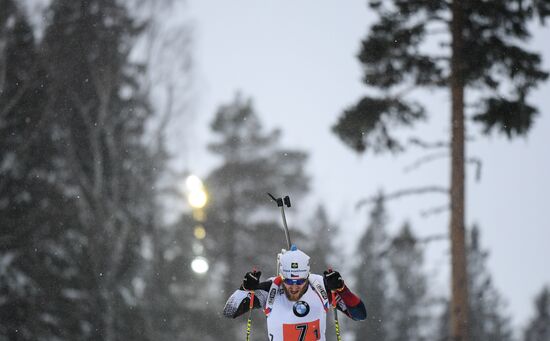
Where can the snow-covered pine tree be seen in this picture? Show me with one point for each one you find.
(243, 223)
(409, 305)
(538, 328)
(36, 240)
(479, 46)
(487, 308)
(371, 275)
(99, 113)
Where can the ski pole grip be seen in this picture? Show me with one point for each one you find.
(251, 305)
(279, 201)
(287, 201)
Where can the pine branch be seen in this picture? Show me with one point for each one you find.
(478, 164)
(399, 95)
(14, 99)
(424, 240)
(425, 159)
(429, 145)
(434, 211)
(402, 193)
(433, 238)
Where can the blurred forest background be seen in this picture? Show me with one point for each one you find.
(92, 243)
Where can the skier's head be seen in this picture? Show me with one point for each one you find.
(294, 266)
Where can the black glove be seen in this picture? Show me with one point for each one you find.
(333, 280)
(251, 280)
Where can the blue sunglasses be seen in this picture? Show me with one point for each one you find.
(298, 281)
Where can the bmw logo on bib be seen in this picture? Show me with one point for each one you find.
(300, 309)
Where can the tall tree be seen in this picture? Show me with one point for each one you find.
(77, 182)
(488, 320)
(242, 221)
(99, 113)
(538, 328)
(319, 241)
(320, 245)
(480, 48)
(163, 49)
(36, 271)
(409, 313)
(176, 300)
(372, 275)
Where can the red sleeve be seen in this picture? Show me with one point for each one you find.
(349, 298)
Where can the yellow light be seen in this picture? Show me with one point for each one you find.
(200, 232)
(199, 215)
(199, 265)
(197, 199)
(193, 183)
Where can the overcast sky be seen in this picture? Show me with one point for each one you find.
(296, 60)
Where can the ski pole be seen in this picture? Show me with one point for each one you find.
(249, 322)
(336, 323)
(250, 307)
(281, 203)
(334, 303)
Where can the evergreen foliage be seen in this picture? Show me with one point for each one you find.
(488, 321)
(36, 268)
(487, 308)
(455, 45)
(538, 328)
(321, 248)
(243, 222)
(320, 244)
(392, 283)
(84, 254)
(372, 276)
(76, 197)
(99, 115)
(176, 300)
(493, 61)
(409, 308)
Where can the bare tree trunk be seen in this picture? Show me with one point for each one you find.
(459, 300)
